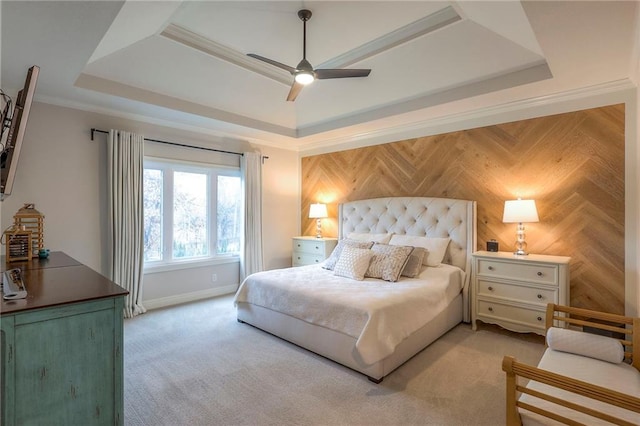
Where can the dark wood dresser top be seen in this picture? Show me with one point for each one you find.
(57, 280)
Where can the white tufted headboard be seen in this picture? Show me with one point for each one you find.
(421, 216)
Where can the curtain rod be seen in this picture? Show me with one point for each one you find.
(93, 131)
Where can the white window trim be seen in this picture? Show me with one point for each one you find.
(176, 265)
(157, 266)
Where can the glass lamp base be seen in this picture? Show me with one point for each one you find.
(521, 244)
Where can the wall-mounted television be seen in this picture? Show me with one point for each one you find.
(17, 126)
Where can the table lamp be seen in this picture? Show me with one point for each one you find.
(318, 211)
(520, 211)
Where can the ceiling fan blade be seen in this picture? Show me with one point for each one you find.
(341, 73)
(272, 62)
(296, 88)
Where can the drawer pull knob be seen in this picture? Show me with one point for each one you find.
(490, 268)
(490, 288)
(317, 247)
(539, 318)
(298, 257)
(539, 274)
(490, 309)
(539, 296)
(317, 260)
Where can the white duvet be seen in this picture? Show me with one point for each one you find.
(379, 314)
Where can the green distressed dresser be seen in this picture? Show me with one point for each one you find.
(62, 361)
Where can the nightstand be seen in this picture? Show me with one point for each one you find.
(311, 250)
(513, 291)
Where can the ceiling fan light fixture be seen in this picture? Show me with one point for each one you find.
(304, 77)
(304, 73)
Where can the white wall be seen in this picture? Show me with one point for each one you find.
(64, 173)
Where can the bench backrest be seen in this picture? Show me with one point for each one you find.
(629, 327)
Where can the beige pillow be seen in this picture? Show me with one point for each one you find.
(388, 261)
(353, 263)
(436, 247)
(331, 261)
(414, 263)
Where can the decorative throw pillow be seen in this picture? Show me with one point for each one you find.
(353, 263)
(414, 263)
(376, 238)
(388, 261)
(331, 261)
(585, 344)
(436, 247)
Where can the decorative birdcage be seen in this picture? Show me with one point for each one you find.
(30, 219)
(18, 244)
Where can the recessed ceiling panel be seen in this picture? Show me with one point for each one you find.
(489, 53)
(154, 64)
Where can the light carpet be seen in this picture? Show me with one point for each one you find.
(194, 364)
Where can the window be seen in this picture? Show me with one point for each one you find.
(191, 212)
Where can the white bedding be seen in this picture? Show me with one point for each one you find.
(379, 314)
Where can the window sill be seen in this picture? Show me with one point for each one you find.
(190, 264)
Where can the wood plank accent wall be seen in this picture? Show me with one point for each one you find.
(572, 164)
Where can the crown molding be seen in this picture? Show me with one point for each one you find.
(402, 35)
(586, 97)
(190, 39)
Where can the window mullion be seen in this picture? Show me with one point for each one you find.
(167, 226)
(213, 220)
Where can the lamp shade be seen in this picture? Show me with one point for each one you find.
(520, 211)
(317, 211)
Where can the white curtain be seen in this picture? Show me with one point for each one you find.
(125, 216)
(251, 256)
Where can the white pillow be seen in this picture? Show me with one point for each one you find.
(353, 263)
(585, 344)
(436, 247)
(376, 238)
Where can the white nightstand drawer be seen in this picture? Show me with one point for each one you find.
(527, 294)
(497, 311)
(300, 259)
(311, 250)
(539, 273)
(309, 246)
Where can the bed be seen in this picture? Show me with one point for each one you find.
(372, 326)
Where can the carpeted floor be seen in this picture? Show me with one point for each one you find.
(194, 364)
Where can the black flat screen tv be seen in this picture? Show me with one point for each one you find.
(11, 153)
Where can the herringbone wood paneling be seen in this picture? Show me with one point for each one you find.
(571, 164)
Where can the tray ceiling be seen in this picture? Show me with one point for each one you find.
(185, 62)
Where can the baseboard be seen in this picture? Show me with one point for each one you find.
(163, 302)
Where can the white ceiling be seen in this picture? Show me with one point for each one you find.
(185, 62)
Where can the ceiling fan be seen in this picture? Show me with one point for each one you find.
(304, 73)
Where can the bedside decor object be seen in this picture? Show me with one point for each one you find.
(520, 211)
(492, 246)
(18, 244)
(318, 212)
(30, 219)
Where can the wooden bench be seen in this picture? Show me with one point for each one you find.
(575, 389)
